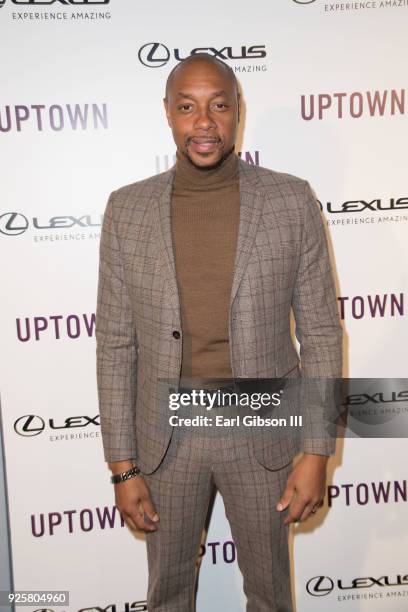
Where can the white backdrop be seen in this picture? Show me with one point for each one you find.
(80, 115)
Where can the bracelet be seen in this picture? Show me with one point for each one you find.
(134, 471)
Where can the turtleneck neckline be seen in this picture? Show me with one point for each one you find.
(190, 177)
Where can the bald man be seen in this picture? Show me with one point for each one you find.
(200, 268)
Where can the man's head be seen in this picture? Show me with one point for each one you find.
(202, 107)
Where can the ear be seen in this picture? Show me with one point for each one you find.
(167, 109)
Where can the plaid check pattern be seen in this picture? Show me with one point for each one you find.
(196, 462)
(282, 264)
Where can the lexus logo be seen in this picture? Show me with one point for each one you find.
(319, 586)
(48, 2)
(154, 55)
(29, 425)
(12, 223)
(304, 1)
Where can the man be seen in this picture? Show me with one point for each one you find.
(200, 267)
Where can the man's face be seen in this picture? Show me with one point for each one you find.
(202, 109)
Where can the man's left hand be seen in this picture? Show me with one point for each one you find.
(305, 488)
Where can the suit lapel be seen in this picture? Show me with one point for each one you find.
(165, 241)
(250, 212)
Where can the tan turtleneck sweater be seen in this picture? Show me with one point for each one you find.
(205, 219)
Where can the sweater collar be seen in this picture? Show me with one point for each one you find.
(190, 177)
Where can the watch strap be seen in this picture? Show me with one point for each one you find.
(123, 476)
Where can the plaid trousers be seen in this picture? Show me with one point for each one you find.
(197, 460)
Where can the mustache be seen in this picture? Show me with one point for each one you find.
(201, 139)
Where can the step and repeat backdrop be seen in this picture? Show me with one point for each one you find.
(81, 114)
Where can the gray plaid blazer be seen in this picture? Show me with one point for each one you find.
(282, 263)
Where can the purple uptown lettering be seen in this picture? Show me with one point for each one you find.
(71, 520)
(372, 305)
(363, 493)
(55, 326)
(355, 104)
(56, 117)
(213, 546)
(86, 519)
(228, 551)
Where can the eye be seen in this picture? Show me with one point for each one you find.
(220, 106)
(184, 107)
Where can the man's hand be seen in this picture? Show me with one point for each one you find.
(135, 505)
(305, 488)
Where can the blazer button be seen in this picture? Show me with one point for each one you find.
(176, 334)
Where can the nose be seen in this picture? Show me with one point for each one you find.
(204, 120)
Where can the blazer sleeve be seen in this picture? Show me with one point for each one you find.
(116, 347)
(319, 333)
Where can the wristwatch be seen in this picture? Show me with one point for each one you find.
(134, 471)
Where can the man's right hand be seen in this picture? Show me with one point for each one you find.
(135, 505)
(133, 499)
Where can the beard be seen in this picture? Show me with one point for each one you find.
(218, 163)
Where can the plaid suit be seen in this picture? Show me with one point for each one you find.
(281, 263)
